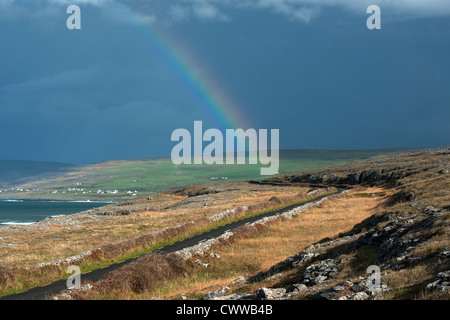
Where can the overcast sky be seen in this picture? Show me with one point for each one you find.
(310, 68)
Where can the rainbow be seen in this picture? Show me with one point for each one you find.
(216, 104)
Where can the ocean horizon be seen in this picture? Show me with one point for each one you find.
(23, 212)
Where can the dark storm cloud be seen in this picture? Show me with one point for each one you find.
(314, 72)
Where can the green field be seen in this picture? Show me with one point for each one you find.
(154, 175)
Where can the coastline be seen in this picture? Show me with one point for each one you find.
(51, 200)
(16, 212)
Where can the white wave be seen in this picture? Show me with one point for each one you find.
(12, 223)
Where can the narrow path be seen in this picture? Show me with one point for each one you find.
(44, 292)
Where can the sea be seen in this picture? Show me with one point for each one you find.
(21, 212)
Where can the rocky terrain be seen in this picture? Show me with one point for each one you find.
(400, 252)
(72, 238)
(407, 241)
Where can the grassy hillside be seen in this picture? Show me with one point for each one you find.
(132, 178)
(13, 171)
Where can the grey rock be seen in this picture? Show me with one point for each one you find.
(270, 294)
(304, 257)
(215, 294)
(319, 272)
(441, 283)
(338, 288)
(325, 295)
(348, 290)
(240, 280)
(444, 255)
(300, 287)
(200, 262)
(355, 296)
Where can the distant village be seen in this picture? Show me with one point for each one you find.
(17, 190)
(99, 191)
(75, 190)
(78, 190)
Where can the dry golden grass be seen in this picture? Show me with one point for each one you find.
(117, 238)
(433, 246)
(248, 255)
(44, 244)
(147, 272)
(422, 178)
(409, 283)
